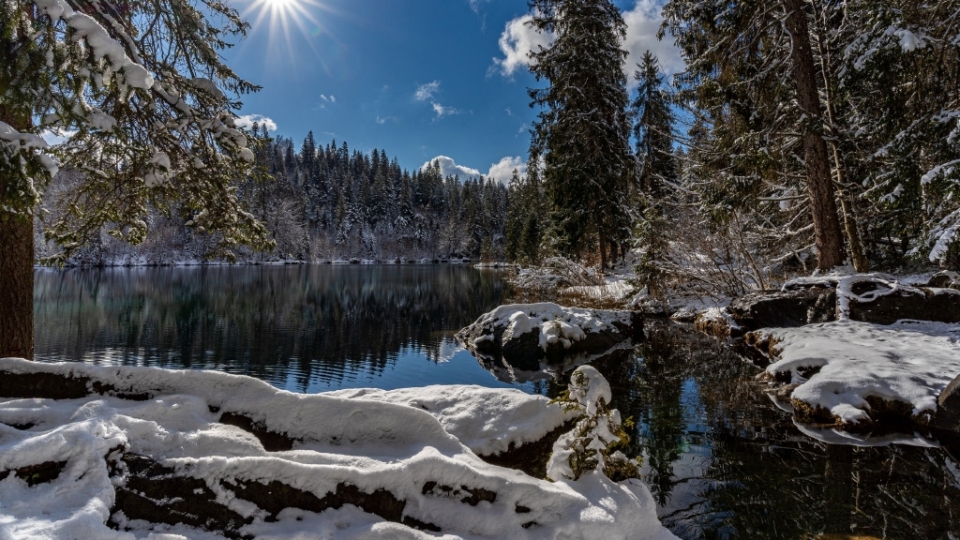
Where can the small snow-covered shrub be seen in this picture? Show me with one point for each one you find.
(592, 444)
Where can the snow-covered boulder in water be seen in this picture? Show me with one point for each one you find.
(523, 335)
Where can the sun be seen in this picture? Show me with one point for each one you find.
(283, 17)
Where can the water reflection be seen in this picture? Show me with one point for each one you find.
(722, 461)
(303, 328)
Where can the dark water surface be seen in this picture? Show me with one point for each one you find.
(721, 460)
(300, 328)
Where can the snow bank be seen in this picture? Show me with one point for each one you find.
(909, 362)
(485, 420)
(378, 443)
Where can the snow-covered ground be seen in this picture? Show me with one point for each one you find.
(404, 442)
(910, 362)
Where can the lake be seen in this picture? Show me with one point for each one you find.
(720, 458)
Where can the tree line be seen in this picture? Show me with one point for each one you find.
(317, 203)
(328, 202)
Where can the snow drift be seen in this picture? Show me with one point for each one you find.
(375, 467)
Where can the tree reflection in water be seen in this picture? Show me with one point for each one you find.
(723, 462)
(298, 327)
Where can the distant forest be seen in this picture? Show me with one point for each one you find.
(324, 203)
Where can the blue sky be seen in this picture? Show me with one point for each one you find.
(418, 78)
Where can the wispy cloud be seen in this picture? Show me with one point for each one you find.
(246, 121)
(475, 4)
(425, 92)
(329, 99)
(444, 111)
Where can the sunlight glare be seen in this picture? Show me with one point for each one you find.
(280, 16)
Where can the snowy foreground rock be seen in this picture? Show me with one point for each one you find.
(854, 374)
(134, 453)
(854, 351)
(524, 335)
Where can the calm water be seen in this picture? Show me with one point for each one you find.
(721, 460)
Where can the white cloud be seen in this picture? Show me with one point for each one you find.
(425, 92)
(381, 120)
(501, 171)
(444, 111)
(54, 138)
(643, 22)
(448, 167)
(517, 41)
(246, 121)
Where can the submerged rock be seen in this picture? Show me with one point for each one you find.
(523, 335)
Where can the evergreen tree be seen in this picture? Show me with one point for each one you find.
(751, 70)
(123, 92)
(653, 130)
(515, 217)
(583, 129)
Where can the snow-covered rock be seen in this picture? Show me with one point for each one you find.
(874, 298)
(160, 453)
(788, 308)
(851, 372)
(523, 335)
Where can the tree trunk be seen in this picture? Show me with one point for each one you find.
(857, 253)
(16, 271)
(16, 286)
(826, 225)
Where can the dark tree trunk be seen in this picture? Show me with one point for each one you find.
(16, 275)
(16, 286)
(826, 225)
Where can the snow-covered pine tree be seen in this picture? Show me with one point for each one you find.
(898, 65)
(653, 129)
(142, 86)
(750, 69)
(515, 217)
(583, 128)
(657, 168)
